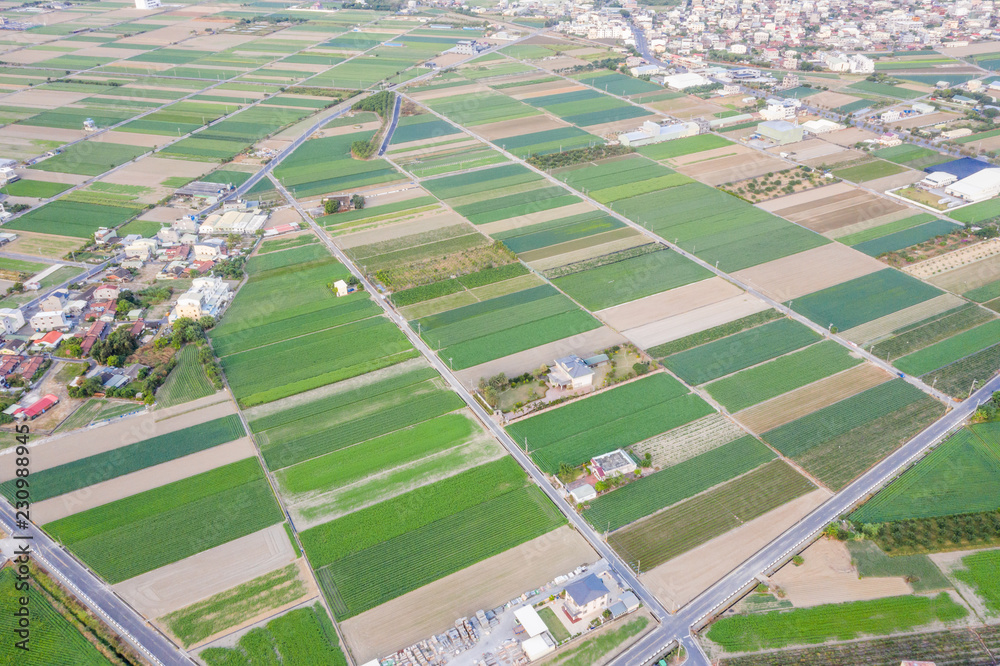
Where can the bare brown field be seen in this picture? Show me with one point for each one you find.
(699, 319)
(805, 400)
(713, 154)
(498, 131)
(136, 139)
(669, 303)
(829, 213)
(21, 132)
(145, 479)
(584, 344)
(872, 223)
(971, 276)
(737, 167)
(833, 159)
(61, 449)
(612, 129)
(162, 214)
(831, 99)
(494, 581)
(621, 233)
(435, 219)
(403, 147)
(54, 177)
(827, 576)
(849, 136)
(896, 180)
(561, 62)
(215, 570)
(809, 149)
(448, 92)
(873, 330)
(542, 89)
(42, 245)
(149, 169)
(534, 218)
(590, 252)
(801, 200)
(678, 581)
(929, 119)
(990, 144)
(685, 108)
(803, 273)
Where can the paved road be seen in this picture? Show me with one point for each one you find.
(96, 595)
(40, 260)
(392, 127)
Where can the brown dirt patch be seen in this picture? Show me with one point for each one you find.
(560, 63)
(147, 169)
(584, 344)
(42, 245)
(827, 576)
(894, 181)
(849, 136)
(21, 132)
(809, 271)
(685, 108)
(883, 326)
(61, 449)
(542, 89)
(929, 119)
(807, 399)
(831, 99)
(802, 200)
(678, 581)
(497, 131)
(589, 252)
(163, 214)
(434, 220)
(448, 92)
(872, 223)
(435, 607)
(736, 167)
(579, 244)
(612, 129)
(699, 319)
(971, 276)
(215, 570)
(136, 139)
(136, 482)
(833, 212)
(535, 218)
(669, 303)
(808, 149)
(713, 154)
(403, 148)
(834, 159)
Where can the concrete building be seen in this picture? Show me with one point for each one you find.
(980, 186)
(938, 179)
(539, 646)
(209, 249)
(586, 596)
(570, 372)
(615, 463)
(143, 248)
(685, 81)
(147, 4)
(49, 321)
(644, 70)
(780, 132)
(652, 132)
(341, 288)
(780, 109)
(890, 116)
(106, 292)
(207, 297)
(821, 126)
(54, 301)
(11, 320)
(581, 491)
(860, 64)
(922, 108)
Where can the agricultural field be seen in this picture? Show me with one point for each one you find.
(473, 334)
(307, 171)
(912, 156)
(869, 171)
(838, 442)
(951, 349)
(481, 108)
(608, 420)
(982, 573)
(730, 354)
(174, 521)
(554, 232)
(920, 572)
(186, 382)
(804, 626)
(931, 330)
(693, 144)
(900, 240)
(71, 218)
(302, 636)
(90, 158)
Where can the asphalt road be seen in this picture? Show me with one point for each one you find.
(96, 595)
(392, 127)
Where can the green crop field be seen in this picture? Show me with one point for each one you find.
(692, 144)
(460, 185)
(651, 493)
(356, 462)
(34, 188)
(616, 84)
(549, 141)
(21, 266)
(841, 440)
(70, 218)
(708, 515)
(173, 521)
(285, 243)
(781, 375)
(958, 379)
(869, 171)
(863, 299)
(302, 636)
(803, 626)
(186, 382)
(553, 232)
(962, 475)
(54, 641)
(298, 255)
(933, 329)
(714, 333)
(912, 156)
(977, 212)
(396, 566)
(884, 89)
(200, 620)
(292, 366)
(609, 420)
(906, 238)
(504, 325)
(951, 349)
(90, 158)
(885, 229)
(982, 573)
(325, 165)
(918, 570)
(609, 195)
(480, 108)
(425, 126)
(756, 345)
(117, 462)
(633, 278)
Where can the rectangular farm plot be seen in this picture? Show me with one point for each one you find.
(90, 158)
(863, 299)
(665, 535)
(630, 279)
(617, 84)
(951, 349)
(840, 441)
(174, 521)
(497, 327)
(325, 165)
(421, 127)
(869, 171)
(694, 144)
(781, 375)
(906, 238)
(930, 330)
(608, 420)
(70, 218)
(549, 141)
(962, 475)
(481, 108)
(561, 230)
(742, 350)
(653, 492)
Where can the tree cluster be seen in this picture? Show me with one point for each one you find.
(576, 156)
(114, 349)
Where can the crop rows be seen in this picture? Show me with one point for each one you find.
(651, 493)
(951, 349)
(127, 459)
(934, 329)
(299, 255)
(689, 441)
(958, 379)
(301, 637)
(186, 382)
(714, 333)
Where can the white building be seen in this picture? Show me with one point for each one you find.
(207, 297)
(938, 179)
(209, 249)
(860, 64)
(730, 89)
(570, 372)
(147, 4)
(922, 108)
(644, 70)
(780, 109)
(532, 622)
(11, 320)
(539, 646)
(615, 463)
(685, 81)
(49, 321)
(980, 186)
(890, 116)
(142, 248)
(652, 132)
(54, 301)
(341, 288)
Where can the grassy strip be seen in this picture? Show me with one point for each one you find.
(714, 333)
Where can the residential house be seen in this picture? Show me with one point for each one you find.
(49, 341)
(168, 235)
(210, 249)
(107, 292)
(54, 301)
(207, 297)
(186, 225)
(571, 372)
(49, 321)
(103, 236)
(615, 463)
(11, 320)
(178, 252)
(585, 596)
(143, 248)
(11, 347)
(118, 275)
(341, 288)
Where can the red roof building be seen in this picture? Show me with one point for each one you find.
(38, 408)
(51, 339)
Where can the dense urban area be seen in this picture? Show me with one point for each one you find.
(397, 333)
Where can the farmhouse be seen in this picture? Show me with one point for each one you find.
(207, 297)
(571, 372)
(36, 408)
(581, 491)
(341, 288)
(586, 596)
(616, 463)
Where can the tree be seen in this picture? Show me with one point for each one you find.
(331, 206)
(117, 346)
(358, 201)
